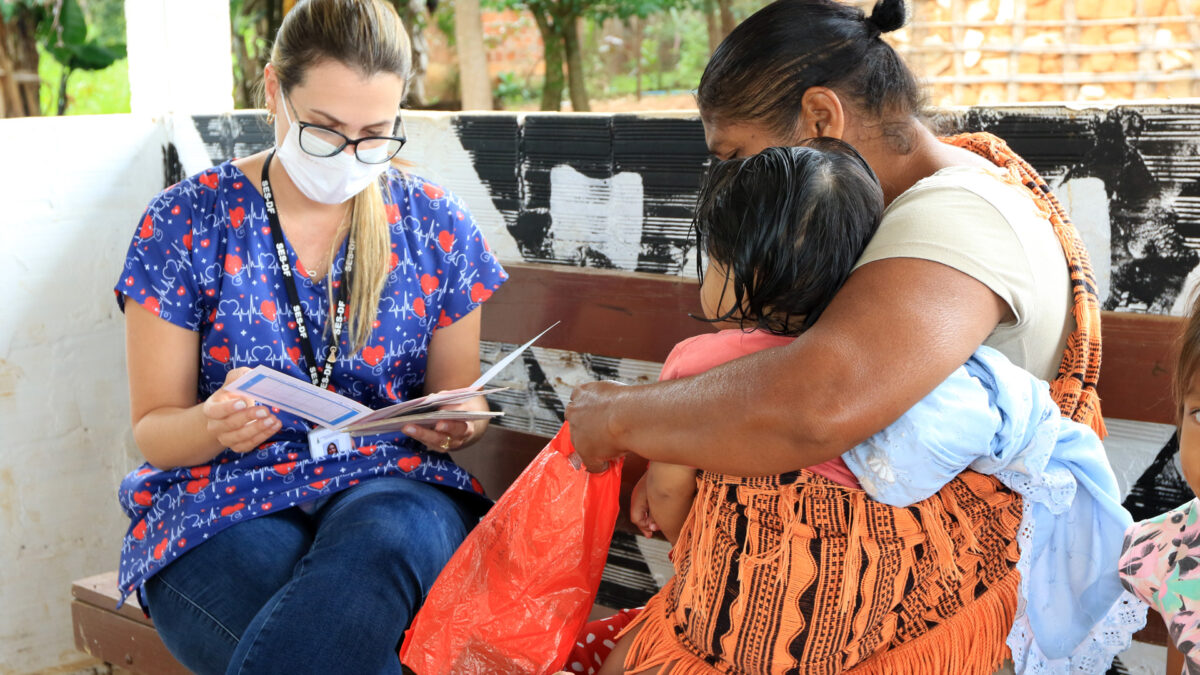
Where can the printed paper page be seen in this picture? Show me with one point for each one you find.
(429, 418)
(503, 363)
(431, 401)
(298, 397)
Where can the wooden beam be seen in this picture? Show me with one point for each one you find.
(603, 312)
(101, 591)
(1138, 364)
(499, 457)
(641, 316)
(1155, 630)
(133, 646)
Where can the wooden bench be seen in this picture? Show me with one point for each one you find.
(633, 316)
(124, 638)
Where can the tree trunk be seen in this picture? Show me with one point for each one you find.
(246, 75)
(638, 25)
(62, 91)
(20, 85)
(667, 49)
(552, 54)
(28, 76)
(616, 61)
(575, 74)
(420, 65)
(710, 19)
(474, 84)
(274, 18)
(727, 22)
(413, 15)
(10, 96)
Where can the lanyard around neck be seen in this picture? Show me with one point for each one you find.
(320, 376)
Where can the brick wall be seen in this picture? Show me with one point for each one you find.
(984, 52)
(513, 46)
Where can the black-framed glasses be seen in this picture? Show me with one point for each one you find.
(320, 141)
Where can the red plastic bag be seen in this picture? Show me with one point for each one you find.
(515, 595)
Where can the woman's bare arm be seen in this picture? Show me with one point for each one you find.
(453, 363)
(170, 428)
(895, 331)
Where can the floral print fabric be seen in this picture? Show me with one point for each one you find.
(1161, 565)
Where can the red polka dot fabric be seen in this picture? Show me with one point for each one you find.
(596, 641)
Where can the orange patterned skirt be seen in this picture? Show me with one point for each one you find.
(796, 574)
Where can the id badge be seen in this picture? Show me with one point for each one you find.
(324, 443)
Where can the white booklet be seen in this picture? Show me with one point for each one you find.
(334, 411)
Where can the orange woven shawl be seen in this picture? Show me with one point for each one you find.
(1075, 386)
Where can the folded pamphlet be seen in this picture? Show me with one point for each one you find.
(334, 411)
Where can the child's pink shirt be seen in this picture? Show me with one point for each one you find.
(704, 352)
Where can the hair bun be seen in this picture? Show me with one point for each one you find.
(888, 15)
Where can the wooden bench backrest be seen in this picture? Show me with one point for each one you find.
(641, 316)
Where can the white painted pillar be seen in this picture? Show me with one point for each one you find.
(180, 56)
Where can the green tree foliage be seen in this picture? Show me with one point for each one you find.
(62, 29)
(68, 41)
(558, 21)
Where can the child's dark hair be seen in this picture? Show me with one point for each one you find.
(1188, 365)
(787, 225)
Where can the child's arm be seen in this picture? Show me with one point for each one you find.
(663, 495)
(670, 489)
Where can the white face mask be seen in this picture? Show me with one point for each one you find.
(328, 180)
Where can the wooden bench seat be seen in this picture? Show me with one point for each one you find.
(632, 316)
(124, 637)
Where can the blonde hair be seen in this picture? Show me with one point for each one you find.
(367, 36)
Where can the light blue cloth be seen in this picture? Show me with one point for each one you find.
(1073, 615)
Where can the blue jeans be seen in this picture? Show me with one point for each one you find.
(331, 592)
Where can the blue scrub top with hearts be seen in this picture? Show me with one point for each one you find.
(203, 259)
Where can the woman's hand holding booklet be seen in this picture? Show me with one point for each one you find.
(336, 412)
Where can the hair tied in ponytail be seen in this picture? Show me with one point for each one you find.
(762, 70)
(886, 16)
(872, 29)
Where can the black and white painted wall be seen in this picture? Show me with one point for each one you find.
(616, 191)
